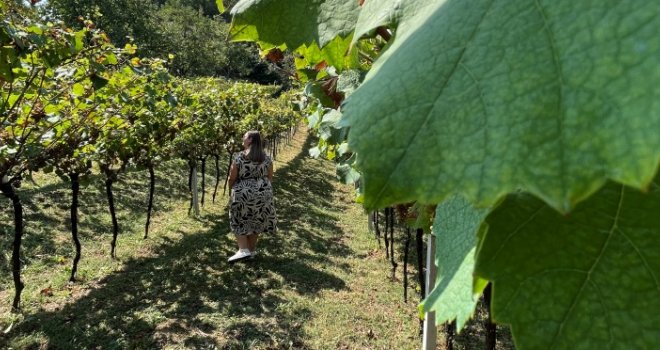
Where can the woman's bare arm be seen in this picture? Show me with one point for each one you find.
(233, 174)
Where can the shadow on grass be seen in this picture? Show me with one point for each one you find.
(188, 294)
(47, 209)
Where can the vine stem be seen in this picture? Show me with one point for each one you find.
(150, 206)
(217, 175)
(377, 229)
(203, 179)
(224, 189)
(9, 192)
(115, 225)
(419, 240)
(405, 265)
(394, 264)
(491, 328)
(75, 190)
(190, 173)
(387, 228)
(450, 330)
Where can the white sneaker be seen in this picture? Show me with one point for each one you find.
(240, 255)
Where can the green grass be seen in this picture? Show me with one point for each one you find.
(319, 283)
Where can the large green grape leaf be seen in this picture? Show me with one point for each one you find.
(485, 97)
(587, 280)
(293, 23)
(455, 226)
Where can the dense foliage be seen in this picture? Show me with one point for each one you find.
(533, 126)
(193, 31)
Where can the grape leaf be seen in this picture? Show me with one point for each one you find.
(388, 13)
(349, 81)
(553, 97)
(347, 174)
(588, 280)
(273, 23)
(334, 54)
(455, 226)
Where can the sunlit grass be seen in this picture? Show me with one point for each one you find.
(320, 283)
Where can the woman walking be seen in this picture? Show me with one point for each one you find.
(251, 211)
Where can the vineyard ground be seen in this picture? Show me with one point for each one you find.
(320, 283)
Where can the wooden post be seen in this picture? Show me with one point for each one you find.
(194, 192)
(430, 335)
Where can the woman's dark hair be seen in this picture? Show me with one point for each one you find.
(256, 152)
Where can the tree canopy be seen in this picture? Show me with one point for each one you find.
(192, 33)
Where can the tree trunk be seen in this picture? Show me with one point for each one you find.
(405, 265)
(394, 264)
(376, 228)
(8, 191)
(419, 240)
(113, 215)
(224, 189)
(387, 228)
(194, 197)
(274, 147)
(491, 328)
(203, 179)
(217, 175)
(191, 166)
(190, 177)
(75, 190)
(150, 206)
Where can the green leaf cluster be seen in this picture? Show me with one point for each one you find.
(98, 103)
(217, 113)
(71, 99)
(191, 32)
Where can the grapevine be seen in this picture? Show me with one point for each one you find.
(74, 104)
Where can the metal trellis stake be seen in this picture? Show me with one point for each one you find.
(430, 335)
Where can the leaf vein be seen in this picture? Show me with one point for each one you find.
(532, 278)
(517, 230)
(591, 269)
(607, 312)
(485, 130)
(560, 91)
(641, 257)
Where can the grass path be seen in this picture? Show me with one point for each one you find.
(320, 283)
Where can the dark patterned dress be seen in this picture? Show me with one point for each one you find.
(252, 208)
